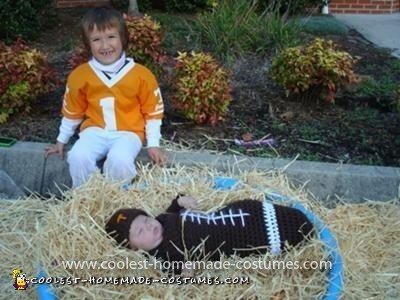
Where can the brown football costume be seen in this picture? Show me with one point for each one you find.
(243, 227)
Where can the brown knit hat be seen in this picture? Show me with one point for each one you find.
(120, 222)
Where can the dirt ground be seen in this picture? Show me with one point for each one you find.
(354, 130)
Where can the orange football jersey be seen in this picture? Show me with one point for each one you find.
(122, 103)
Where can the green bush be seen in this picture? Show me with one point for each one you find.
(230, 28)
(145, 5)
(188, 5)
(235, 27)
(24, 18)
(279, 31)
(25, 75)
(202, 88)
(122, 5)
(397, 99)
(294, 7)
(315, 71)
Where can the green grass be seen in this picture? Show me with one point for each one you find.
(308, 132)
(281, 33)
(381, 92)
(236, 28)
(395, 65)
(361, 115)
(231, 28)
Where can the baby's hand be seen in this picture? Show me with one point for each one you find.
(187, 202)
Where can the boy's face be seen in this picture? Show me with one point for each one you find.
(145, 233)
(106, 46)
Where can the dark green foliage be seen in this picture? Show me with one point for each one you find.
(186, 5)
(145, 5)
(25, 18)
(293, 6)
(122, 5)
(231, 28)
(180, 32)
(396, 102)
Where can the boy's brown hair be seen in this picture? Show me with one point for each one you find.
(103, 17)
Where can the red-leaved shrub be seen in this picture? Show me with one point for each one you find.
(24, 75)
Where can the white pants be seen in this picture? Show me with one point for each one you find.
(120, 147)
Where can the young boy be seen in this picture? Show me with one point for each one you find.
(116, 102)
(243, 227)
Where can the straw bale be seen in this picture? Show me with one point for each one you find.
(47, 232)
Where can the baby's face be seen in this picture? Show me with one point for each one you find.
(145, 233)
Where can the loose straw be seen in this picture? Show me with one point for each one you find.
(46, 232)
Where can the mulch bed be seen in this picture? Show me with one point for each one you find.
(354, 130)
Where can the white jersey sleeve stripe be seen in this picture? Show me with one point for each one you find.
(67, 129)
(153, 133)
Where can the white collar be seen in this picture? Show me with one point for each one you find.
(112, 68)
(112, 78)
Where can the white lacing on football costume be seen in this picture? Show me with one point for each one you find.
(225, 218)
(271, 225)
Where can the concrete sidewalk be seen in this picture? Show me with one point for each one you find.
(382, 30)
(26, 165)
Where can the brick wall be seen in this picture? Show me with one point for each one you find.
(80, 3)
(335, 6)
(364, 6)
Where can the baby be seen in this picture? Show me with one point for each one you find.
(243, 228)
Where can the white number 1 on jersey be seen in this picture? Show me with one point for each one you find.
(108, 107)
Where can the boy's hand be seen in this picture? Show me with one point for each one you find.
(57, 149)
(187, 202)
(156, 155)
